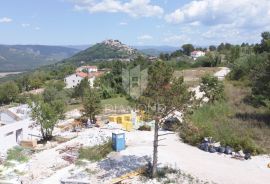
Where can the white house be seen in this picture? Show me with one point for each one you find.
(91, 72)
(195, 54)
(89, 69)
(14, 126)
(76, 78)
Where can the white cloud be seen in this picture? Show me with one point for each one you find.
(181, 39)
(37, 28)
(134, 8)
(5, 20)
(123, 23)
(25, 25)
(230, 34)
(145, 37)
(241, 13)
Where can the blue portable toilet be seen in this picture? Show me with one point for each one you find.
(118, 141)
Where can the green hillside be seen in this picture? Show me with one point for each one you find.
(106, 50)
(27, 57)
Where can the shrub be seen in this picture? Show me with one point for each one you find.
(214, 120)
(18, 154)
(97, 152)
(144, 128)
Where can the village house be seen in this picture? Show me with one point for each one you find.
(196, 54)
(90, 72)
(14, 126)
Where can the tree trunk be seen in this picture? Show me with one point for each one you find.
(155, 152)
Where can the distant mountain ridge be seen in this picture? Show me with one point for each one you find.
(28, 57)
(16, 58)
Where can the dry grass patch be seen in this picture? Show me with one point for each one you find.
(195, 74)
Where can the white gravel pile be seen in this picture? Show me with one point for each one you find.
(222, 73)
(91, 137)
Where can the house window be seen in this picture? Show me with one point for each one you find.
(73, 80)
(8, 134)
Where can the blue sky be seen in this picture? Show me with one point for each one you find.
(134, 22)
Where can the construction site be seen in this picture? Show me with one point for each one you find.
(60, 161)
(116, 148)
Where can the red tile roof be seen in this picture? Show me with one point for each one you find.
(90, 75)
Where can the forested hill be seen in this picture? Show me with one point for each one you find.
(104, 51)
(27, 57)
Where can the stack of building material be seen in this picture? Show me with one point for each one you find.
(70, 153)
(29, 143)
(124, 120)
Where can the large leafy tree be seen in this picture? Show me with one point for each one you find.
(47, 109)
(46, 115)
(187, 49)
(56, 98)
(264, 46)
(79, 90)
(9, 92)
(261, 84)
(213, 88)
(91, 103)
(164, 95)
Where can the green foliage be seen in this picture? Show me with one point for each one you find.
(18, 154)
(164, 57)
(261, 84)
(213, 88)
(177, 53)
(233, 54)
(232, 122)
(9, 92)
(212, 121)
(100, 52)
(56, 98)
(212, 48)
(223, 48)
(202, 61)
(28, 57)
(187, 49)
(57, 84)
(117, 101)
(91, 103)
(46, 116)
(47, 109)
(81, 88)
(265, 43)
(144, 128)
(162, 85)
(243, 67)
(97, 152)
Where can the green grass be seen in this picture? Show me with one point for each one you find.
(232, 122)
(71, 107)
(18, 154)
(97, 152)
(118, 101)
(115, 102)
(145, 128)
